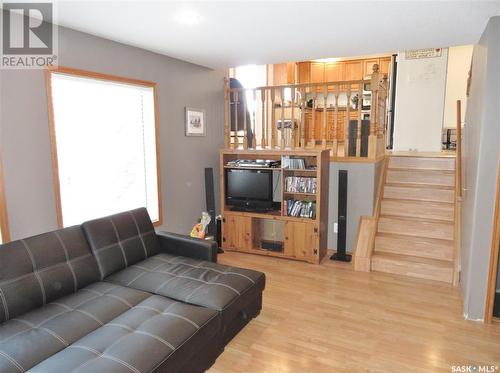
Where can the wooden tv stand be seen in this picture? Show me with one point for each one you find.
(303, 238)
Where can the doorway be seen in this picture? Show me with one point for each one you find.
(493, 295)
(496, 301)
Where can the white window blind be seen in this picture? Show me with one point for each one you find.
(106, 147)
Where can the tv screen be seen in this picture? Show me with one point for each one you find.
(249, 185)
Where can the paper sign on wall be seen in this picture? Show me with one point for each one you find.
(423, 53)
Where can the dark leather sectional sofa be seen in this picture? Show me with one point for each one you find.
(113, 295)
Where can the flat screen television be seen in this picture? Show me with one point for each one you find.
(249, 189)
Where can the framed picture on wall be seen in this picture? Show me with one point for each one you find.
(195, 122)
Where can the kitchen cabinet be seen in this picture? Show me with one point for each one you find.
(333, 73)
(368, 66)
(304, 72)
(330, 136)
(353, 70)
(284, 73)
(312, 72)
(317, 72)
(385, 65)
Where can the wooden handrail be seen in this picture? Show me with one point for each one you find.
(367, 228)
(458, 198)
(458, 161)
(303, 85)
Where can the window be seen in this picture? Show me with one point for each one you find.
(4, 226)
(104, 145)
(252, 76)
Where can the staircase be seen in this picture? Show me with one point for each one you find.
(415, 232)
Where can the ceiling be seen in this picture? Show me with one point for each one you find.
(233, 33)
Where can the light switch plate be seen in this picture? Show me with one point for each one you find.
(335, 228)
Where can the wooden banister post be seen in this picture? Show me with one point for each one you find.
(292, 119)
(302, 128)
(245, 124)
(360, 121)
(263, 139)
(254, 119)
(335, 121)
(458, 155)
(325, 117)
(372, 139)
(273, 119)
(313, 120)
(227, 111)
(283, 130)
(235, 107)
(347, 121)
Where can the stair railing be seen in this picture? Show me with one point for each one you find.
(367, 228)
(310, 115)
(458, 199)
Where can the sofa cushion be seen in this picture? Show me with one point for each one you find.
(140, 340)
(33, 337)
(37, 270)
(190, 280)
(120, 240)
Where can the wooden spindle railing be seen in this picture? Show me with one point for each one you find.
(315, 115)
(458, 198)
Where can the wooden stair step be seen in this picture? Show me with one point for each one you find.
(419, 209)
(415, 246)
(416, 227)
(422, 163)
(407, 265)
(421, 177)
(419, 193)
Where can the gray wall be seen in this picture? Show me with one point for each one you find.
(25, 142)
(481, 139)
(362, 182)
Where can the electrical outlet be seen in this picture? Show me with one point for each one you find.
(335, 228)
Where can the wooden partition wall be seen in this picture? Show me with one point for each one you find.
(347, 117)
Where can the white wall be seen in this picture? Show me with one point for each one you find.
(459, 59)
(420, 88)
(480, 154)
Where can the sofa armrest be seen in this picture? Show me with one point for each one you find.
(177, 244)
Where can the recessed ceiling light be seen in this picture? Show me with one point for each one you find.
(188, 17)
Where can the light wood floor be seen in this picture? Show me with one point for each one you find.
(328, 318)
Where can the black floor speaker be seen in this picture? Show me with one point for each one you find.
(210, 202)
(341, 254)
(353, 135)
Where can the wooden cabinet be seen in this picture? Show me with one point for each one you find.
(333, 71)
(311, 72)
(385, 65)
(301, 240)
(293, 235)
(317, 72)
(304, 72)
(353, 70)
(284, 73)
(330, 136)
(368, 66)
(237, 233)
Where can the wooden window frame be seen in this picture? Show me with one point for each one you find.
(4, 222)
(53, 144)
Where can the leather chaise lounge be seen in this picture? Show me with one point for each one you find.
(113, 295)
